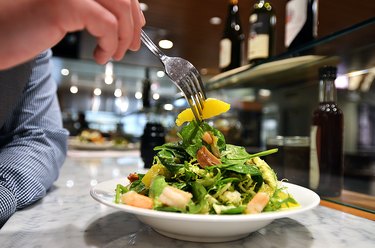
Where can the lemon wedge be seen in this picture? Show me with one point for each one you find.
(212, 107)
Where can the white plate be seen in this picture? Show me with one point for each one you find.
(204, 228)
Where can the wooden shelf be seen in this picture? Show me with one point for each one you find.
(272, 75)
(350, 49)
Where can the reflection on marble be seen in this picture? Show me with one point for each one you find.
(69, 217)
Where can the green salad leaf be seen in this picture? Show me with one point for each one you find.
(224, 187)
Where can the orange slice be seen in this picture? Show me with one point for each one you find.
(212, 107)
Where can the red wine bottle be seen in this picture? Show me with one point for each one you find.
(326, 147)
(231, 43)
(262, 32)
(301, 23)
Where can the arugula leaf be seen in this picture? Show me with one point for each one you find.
(138, 187)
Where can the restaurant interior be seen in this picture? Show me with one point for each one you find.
(272, 99)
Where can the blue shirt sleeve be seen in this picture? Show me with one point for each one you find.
(33, 142)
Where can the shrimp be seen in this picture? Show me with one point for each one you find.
(258, 203)
(174, 197)
(134, 199)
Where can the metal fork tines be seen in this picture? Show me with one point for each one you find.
(183, 74)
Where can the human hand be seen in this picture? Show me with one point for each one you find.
(27, 27)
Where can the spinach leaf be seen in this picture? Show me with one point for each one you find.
(233, 154)
(172, 156)
(244, 169)
(192, 133)
(191, 138)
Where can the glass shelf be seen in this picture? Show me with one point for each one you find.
(353, 48)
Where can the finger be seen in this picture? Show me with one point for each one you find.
(139, 22)
(102, 24)
(123, 11)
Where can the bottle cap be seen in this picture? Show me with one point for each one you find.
(328, 72)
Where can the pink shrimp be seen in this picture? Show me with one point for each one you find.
(258, 203)
(132, 198)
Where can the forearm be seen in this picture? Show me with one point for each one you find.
(33, 142)
(8, 204)
(28, 169)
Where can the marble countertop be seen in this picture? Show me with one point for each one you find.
(69, 217)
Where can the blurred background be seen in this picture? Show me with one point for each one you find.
(273, 98)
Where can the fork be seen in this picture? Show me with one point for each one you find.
(183, 74)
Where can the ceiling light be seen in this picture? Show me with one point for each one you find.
(168, 107)
(215, 20)
(108, 79)
(264, 92)
(165, 44)
(64, 72)
(144, 7)
(155, 96)
(154, 87)
(109, 69)
(118, 93)
(97, 92)
(342, 82)
(73, 89)
(138, 95)
(108, 74)
(160, 74)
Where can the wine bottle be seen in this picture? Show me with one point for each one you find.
(326, 147)
(262, 32)
(231, 43)
(301, 22)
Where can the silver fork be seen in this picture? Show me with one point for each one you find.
(183, 74)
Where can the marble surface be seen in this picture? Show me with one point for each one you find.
(69, 217)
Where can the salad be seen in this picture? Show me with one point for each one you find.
(201, 174)
(91, 136)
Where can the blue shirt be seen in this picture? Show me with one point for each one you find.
(33, 142)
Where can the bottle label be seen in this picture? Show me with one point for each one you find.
(296, 16)
(258, 46)
(225, 52)
(314, 157)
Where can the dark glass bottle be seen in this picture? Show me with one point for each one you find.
(260, 43)
(301, 22)
(153, 135)
(231, 43)
(326, 147)
(153, 132)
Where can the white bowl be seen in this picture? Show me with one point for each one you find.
(204, 228)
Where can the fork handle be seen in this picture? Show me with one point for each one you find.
(151, 46)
